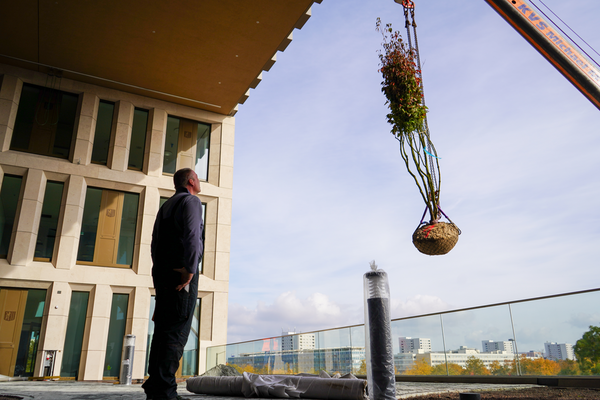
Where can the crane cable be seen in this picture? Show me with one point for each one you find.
(409, 21)
(566, 34)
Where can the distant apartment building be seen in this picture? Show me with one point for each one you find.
(532, 354)
(414, 345)
(342, 359)
(559, 351)
(294, 341)
(462, 355)
(489, 346)
(409, 348)
(404, 362)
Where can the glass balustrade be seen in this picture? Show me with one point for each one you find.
(527, 337)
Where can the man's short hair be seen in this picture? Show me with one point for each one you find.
(181, 177)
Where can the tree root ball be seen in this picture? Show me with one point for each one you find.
(436, 239)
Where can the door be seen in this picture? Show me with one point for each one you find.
(12, 309)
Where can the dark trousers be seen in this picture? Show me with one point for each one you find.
(173, 316)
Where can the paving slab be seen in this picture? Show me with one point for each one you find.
(71, 390)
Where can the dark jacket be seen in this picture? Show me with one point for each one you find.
(177, 238)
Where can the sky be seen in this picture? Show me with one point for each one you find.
(320, 188)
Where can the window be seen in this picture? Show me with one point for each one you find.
(138, 139)
(189, 360)
(74, 335)
(9, 200)
(104, 122)
(108, 228)
(45, 121)
(44, 246)
(116, 331)
(30, 332)
(186, 146)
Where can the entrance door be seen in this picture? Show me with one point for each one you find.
(12, 309)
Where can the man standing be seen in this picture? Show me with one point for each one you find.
(177, 246)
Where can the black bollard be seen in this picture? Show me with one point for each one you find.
(378, 336)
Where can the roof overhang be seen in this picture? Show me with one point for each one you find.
(205, 54)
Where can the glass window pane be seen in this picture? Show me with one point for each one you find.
(25, 118)
(9, 199)
(65, 125)
(138, 139)
(89, 224)
(116, 332)
(30, 332)
(189, 361)
(44, 246)
(127, 232)
(45, 121)
(200, 269)
(74, 335)
(150, 332)
(171, 142)
(202, 144)
(103, 130)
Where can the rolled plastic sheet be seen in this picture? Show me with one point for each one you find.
(279, 386)
(216, 385)
(378, 334)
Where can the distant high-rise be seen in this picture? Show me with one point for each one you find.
(559, 351)
(294, 341)
(490, 346)
(415, 345)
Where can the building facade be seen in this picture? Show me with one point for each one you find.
(414, 345)
(341, 359)
(297, 341)
(77, 217)
(489, 346)
(462, 355)
(99, 106)
(559, 351)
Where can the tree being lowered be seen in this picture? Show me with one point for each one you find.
(403, 88)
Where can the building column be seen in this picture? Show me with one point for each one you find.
(93, 350)
(139, 328)
(118, 157)
(86, 129)
(225, 149)
(223, 238)
(213, 324)
(54, 328)
(68, 240)
(10, 93)
(154, 152)
(142, 263)
(30, 210)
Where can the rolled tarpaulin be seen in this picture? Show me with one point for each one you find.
(216, 385)
(279, 386)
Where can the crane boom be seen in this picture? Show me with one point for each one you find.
(568, 60)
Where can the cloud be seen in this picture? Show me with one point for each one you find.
(288, 312)
(418, 305)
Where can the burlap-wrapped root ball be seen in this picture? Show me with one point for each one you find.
(436, 239)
